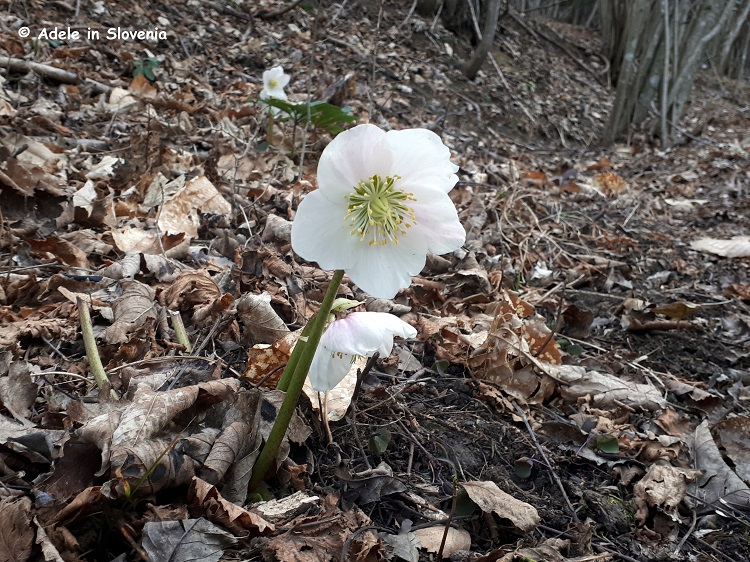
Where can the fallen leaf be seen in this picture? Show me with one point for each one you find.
(717, 481)
(736, 247)
(492, 499)
(185, 541)
(261, 321)
(733, 433)
(664, 486)
(16, 531)
(431, 538)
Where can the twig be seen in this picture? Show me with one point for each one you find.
(539, 448)
(595, 545)
(684, 539)
(20, 65)
(408, 16)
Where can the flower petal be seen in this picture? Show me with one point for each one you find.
(328, 368)
(382, 270)
(320, 233)
(353, 156)
(438, 225)
(375, 331)
(419, 156)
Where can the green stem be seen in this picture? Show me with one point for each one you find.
(269, 133)
(92, 352)
(283, 417)
(291, 365)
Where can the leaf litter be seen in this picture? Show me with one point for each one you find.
(601, 292)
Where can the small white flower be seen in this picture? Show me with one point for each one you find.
(360, 333)
(274, 82)
(381, 205)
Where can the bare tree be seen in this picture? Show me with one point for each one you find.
(655, 49)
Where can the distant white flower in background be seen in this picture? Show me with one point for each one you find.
(274, 82)
(381, 205)
(360, 333)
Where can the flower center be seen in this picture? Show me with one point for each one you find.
(378, 210)
(273, 84)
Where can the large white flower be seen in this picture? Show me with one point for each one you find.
(274, 82)
(360, 333)
(382, 203)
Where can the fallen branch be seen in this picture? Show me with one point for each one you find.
(51, 72)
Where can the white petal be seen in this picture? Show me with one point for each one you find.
(382, 270)
(438, 225)
(421, 157)
(320, 233)
(353, 156)
(328, 368)
(364, 333)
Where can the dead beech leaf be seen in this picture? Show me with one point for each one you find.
(609, 183)
(736, 247)
(664, 486)
(131, 310)
(179, 214)
(16, 531)
(261, 321)
(717, 481)
(431, 538)
(677, 310)
(225, 513)
(492, 499)
(58, 250)
(17, 391)
(265, 364)
(733, 433)
(185, 541)
(603, 389)
(337, 400)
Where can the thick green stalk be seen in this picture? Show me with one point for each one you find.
(92, 352)
(291, 365)
(269, 133)
(283, 417)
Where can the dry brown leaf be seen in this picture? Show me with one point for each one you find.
(602, 389)
(736, 247)
(56, 250)
(431, 538)
(492, 499)
(225, 513)
(265, 364)
(179, 214)
(131, 310)
(663, 486)
(734, 433)
(609, 183)
(677, 310)
(16, 531)
(261, 321)
(185, 541)
(717, 481)
(17, 391)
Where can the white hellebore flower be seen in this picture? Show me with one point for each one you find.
(274, 82)
(360, 333)
(382, 203)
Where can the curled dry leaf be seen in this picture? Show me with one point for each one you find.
(602, 389)
(492, 499)
(733, 433)
(179, 214)
(17, 391)
(131, 310)
(225, 513)
(663, 486)
(262, 323)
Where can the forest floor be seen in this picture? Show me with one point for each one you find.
(578, 388)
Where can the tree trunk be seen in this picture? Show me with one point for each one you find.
(485, 43)
(651, 42)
